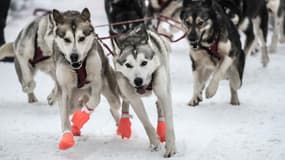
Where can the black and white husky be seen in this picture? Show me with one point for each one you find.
(215, 49)
(33, 51)
(142, 68)
(82, 73)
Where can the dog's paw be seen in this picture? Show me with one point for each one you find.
(161, 131)
(66, 142)
(265, 60)
(195, 101)
(51, 99)
(170, 150)
(124, 128)
(235, 102)
(32, 98)
(211, 90)
(155, 147)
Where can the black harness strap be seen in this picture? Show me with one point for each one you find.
(38, 54)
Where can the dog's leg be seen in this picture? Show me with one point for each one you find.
(124, 127)
(163, 93)
(218, 75)
(114, 102)
(282, 28)
(25, 75)
(235, 84)
(250, 38)
(200, 77)
(161, 125)
(275, 36)
(67, 140)
(80, 117)
(53, 95)
(260, 26)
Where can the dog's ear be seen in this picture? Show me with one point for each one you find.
(58, 17)
(85, 14)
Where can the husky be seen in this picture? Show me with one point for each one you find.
(141, 64)
(251, 17)
(82, 73)
(140, 70)
(33, 51)
(215, 49)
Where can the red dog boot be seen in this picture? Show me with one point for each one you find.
(79, 118)
(66, 141)
(161, 129)
(124, 128)
(75, 131)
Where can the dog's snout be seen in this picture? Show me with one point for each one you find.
(192, 37)
(138, 82)
(74, 57)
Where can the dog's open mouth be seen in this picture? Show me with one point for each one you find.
(76, 65)
(144, 89)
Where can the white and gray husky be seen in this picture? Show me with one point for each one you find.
(33, 51)
(142, 69)
(82, 73)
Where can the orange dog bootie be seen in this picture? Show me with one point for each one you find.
(124, 128)
(161, 129)
(79, 118)
(75, 131)
(66, 141)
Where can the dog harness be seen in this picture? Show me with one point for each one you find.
(38, 54)
(213, 49)
(82, 75)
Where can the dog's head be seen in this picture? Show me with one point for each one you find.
(138, 64)
(74, 35)
(198, 16)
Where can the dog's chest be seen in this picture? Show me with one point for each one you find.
(203, 58)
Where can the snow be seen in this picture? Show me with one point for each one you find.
(215, 130)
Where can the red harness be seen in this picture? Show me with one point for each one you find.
(38, 54)
(82, 75)
(213, 49)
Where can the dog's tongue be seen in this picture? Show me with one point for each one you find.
(141, 90)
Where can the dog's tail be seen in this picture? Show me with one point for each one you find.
(7, 50)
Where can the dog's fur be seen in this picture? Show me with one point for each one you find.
(41, 32)
(75, 35)
(142, 66)
(207, 25)
(251, 17)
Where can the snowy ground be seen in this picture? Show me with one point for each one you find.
(213, 131)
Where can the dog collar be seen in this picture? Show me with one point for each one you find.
(38, 54)
(213, 48)
(82, 75)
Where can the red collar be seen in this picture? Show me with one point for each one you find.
(82, 75)
(213, 49)
(38, 54)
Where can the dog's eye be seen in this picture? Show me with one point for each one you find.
(128, 65)
(200, 23)
(67, 40)
(188, 23)
(81, 39)
(144, 63)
